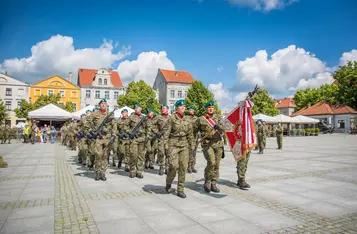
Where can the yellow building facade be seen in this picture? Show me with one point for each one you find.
(57, 85)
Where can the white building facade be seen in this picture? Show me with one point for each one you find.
(172, 86)
(98, 84)
(12, 92)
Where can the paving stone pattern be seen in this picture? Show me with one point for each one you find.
(309, 187)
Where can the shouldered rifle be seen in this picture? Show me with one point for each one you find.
(95, 134)
(134, 133)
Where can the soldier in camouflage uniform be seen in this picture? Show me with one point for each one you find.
(266, 133)
(192, 159)
(82, 146)
(260, 137)
(151, 145)
(242, 165)
(88, 126)
(71, 134)
(279, 136)
(161, 122)
(101, 144)
(2, 135)
(179, 138)
(34, 129)
(137, 144)
(123, 145)
(211, 128)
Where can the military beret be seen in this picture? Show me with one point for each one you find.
(137, 105)
(103, 100)
(150, 110)
(164, 105)
(83, 115)
(180, 102)
(124, 110)
(191, 107)
(96, 108)
(209, 103)
(88, 111)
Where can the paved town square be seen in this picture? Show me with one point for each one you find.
(308, 187)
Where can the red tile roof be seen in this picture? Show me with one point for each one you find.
(285, 103)
(86, 77)
(172, 76)
(324, 108)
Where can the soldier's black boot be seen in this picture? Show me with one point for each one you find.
(127, 168)
(194, 169)
(181, 194)
(102, 176)
(97, 176)
(151, 166)
(214, 188)
(119, 164)
(166, 170)
(161, 171)
(80, 160)
(146, 165)
(189, 170)
(207, 187)
(167, 188)
(139, 175)
(242, 184)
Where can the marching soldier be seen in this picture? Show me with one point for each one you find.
(279, 136)
(82, 146)
(266, 133)
(137, 145)
(242, 166)
(179, 138)
(90, 156)
(211, 128)
(124, 144)
(161, 121)
(192, 159)
(151, 144)
(260, 137)
(101, 144)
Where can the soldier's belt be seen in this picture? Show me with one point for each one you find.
(180, 138)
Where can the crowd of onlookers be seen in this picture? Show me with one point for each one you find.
(43, 134)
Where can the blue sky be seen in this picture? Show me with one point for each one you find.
(207, 38)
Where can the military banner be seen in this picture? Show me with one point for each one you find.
(239, 129)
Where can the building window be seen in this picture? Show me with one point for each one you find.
(179, 94)
(100, 81)
(61, 92)
(185, 94)
(171, 108)
(50, 92)
(106, 95)
(74, 106)
(19, 104)
(105, 81)
(87, 105)
(8, 105)
(74, 94)
(37, 92)
(97, 94)
(20, 92)
(87, 93)
(172, 93)
(341, 124)
(8, 92)
(116, 94)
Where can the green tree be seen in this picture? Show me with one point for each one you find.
(68, 106)
(311, 96)
(264, 104)
(44, 100)
(3, 112)
(24, 109)
(198, 95)
(346, 77)
(139, 92)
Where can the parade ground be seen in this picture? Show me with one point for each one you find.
(308, 187)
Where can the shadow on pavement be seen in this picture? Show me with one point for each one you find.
(156, 189)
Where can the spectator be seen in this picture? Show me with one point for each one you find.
(53, 134)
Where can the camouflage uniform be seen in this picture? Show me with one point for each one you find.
(242, 165)
(266, 133)
(163, 158)
(82, 144)
(2, 135)
(137, 147)
(123, 145)
(151, 146)
(260, 136)
(279, 136)
(178, 141)
(100, 146)
(192, 158)
(212, 147)
(72, 136)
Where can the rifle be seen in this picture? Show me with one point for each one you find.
(98, 132)
(134, 133)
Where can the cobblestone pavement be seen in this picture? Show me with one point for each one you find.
(309, 187)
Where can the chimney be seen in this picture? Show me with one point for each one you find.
(70, 77)
(176, 73)
(110, 69)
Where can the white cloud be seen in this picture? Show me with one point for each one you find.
(225, 99)
(320, 79)
(348, 56)
(144, 67)
(262, 5)
(219, 69)
(285, 70)
(57, 55)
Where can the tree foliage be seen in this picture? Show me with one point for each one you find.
(139, 92)
(309, 96)
(3, 112)
(346, 77)
(43, 100)
(264, 104)
(198, 95)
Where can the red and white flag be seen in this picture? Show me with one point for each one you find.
(239, 130)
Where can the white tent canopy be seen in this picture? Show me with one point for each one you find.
(284, 119)
(265, 118)
(304, 120)
(50, 112)
(77, 114)
(20, 125)
(117, 113)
